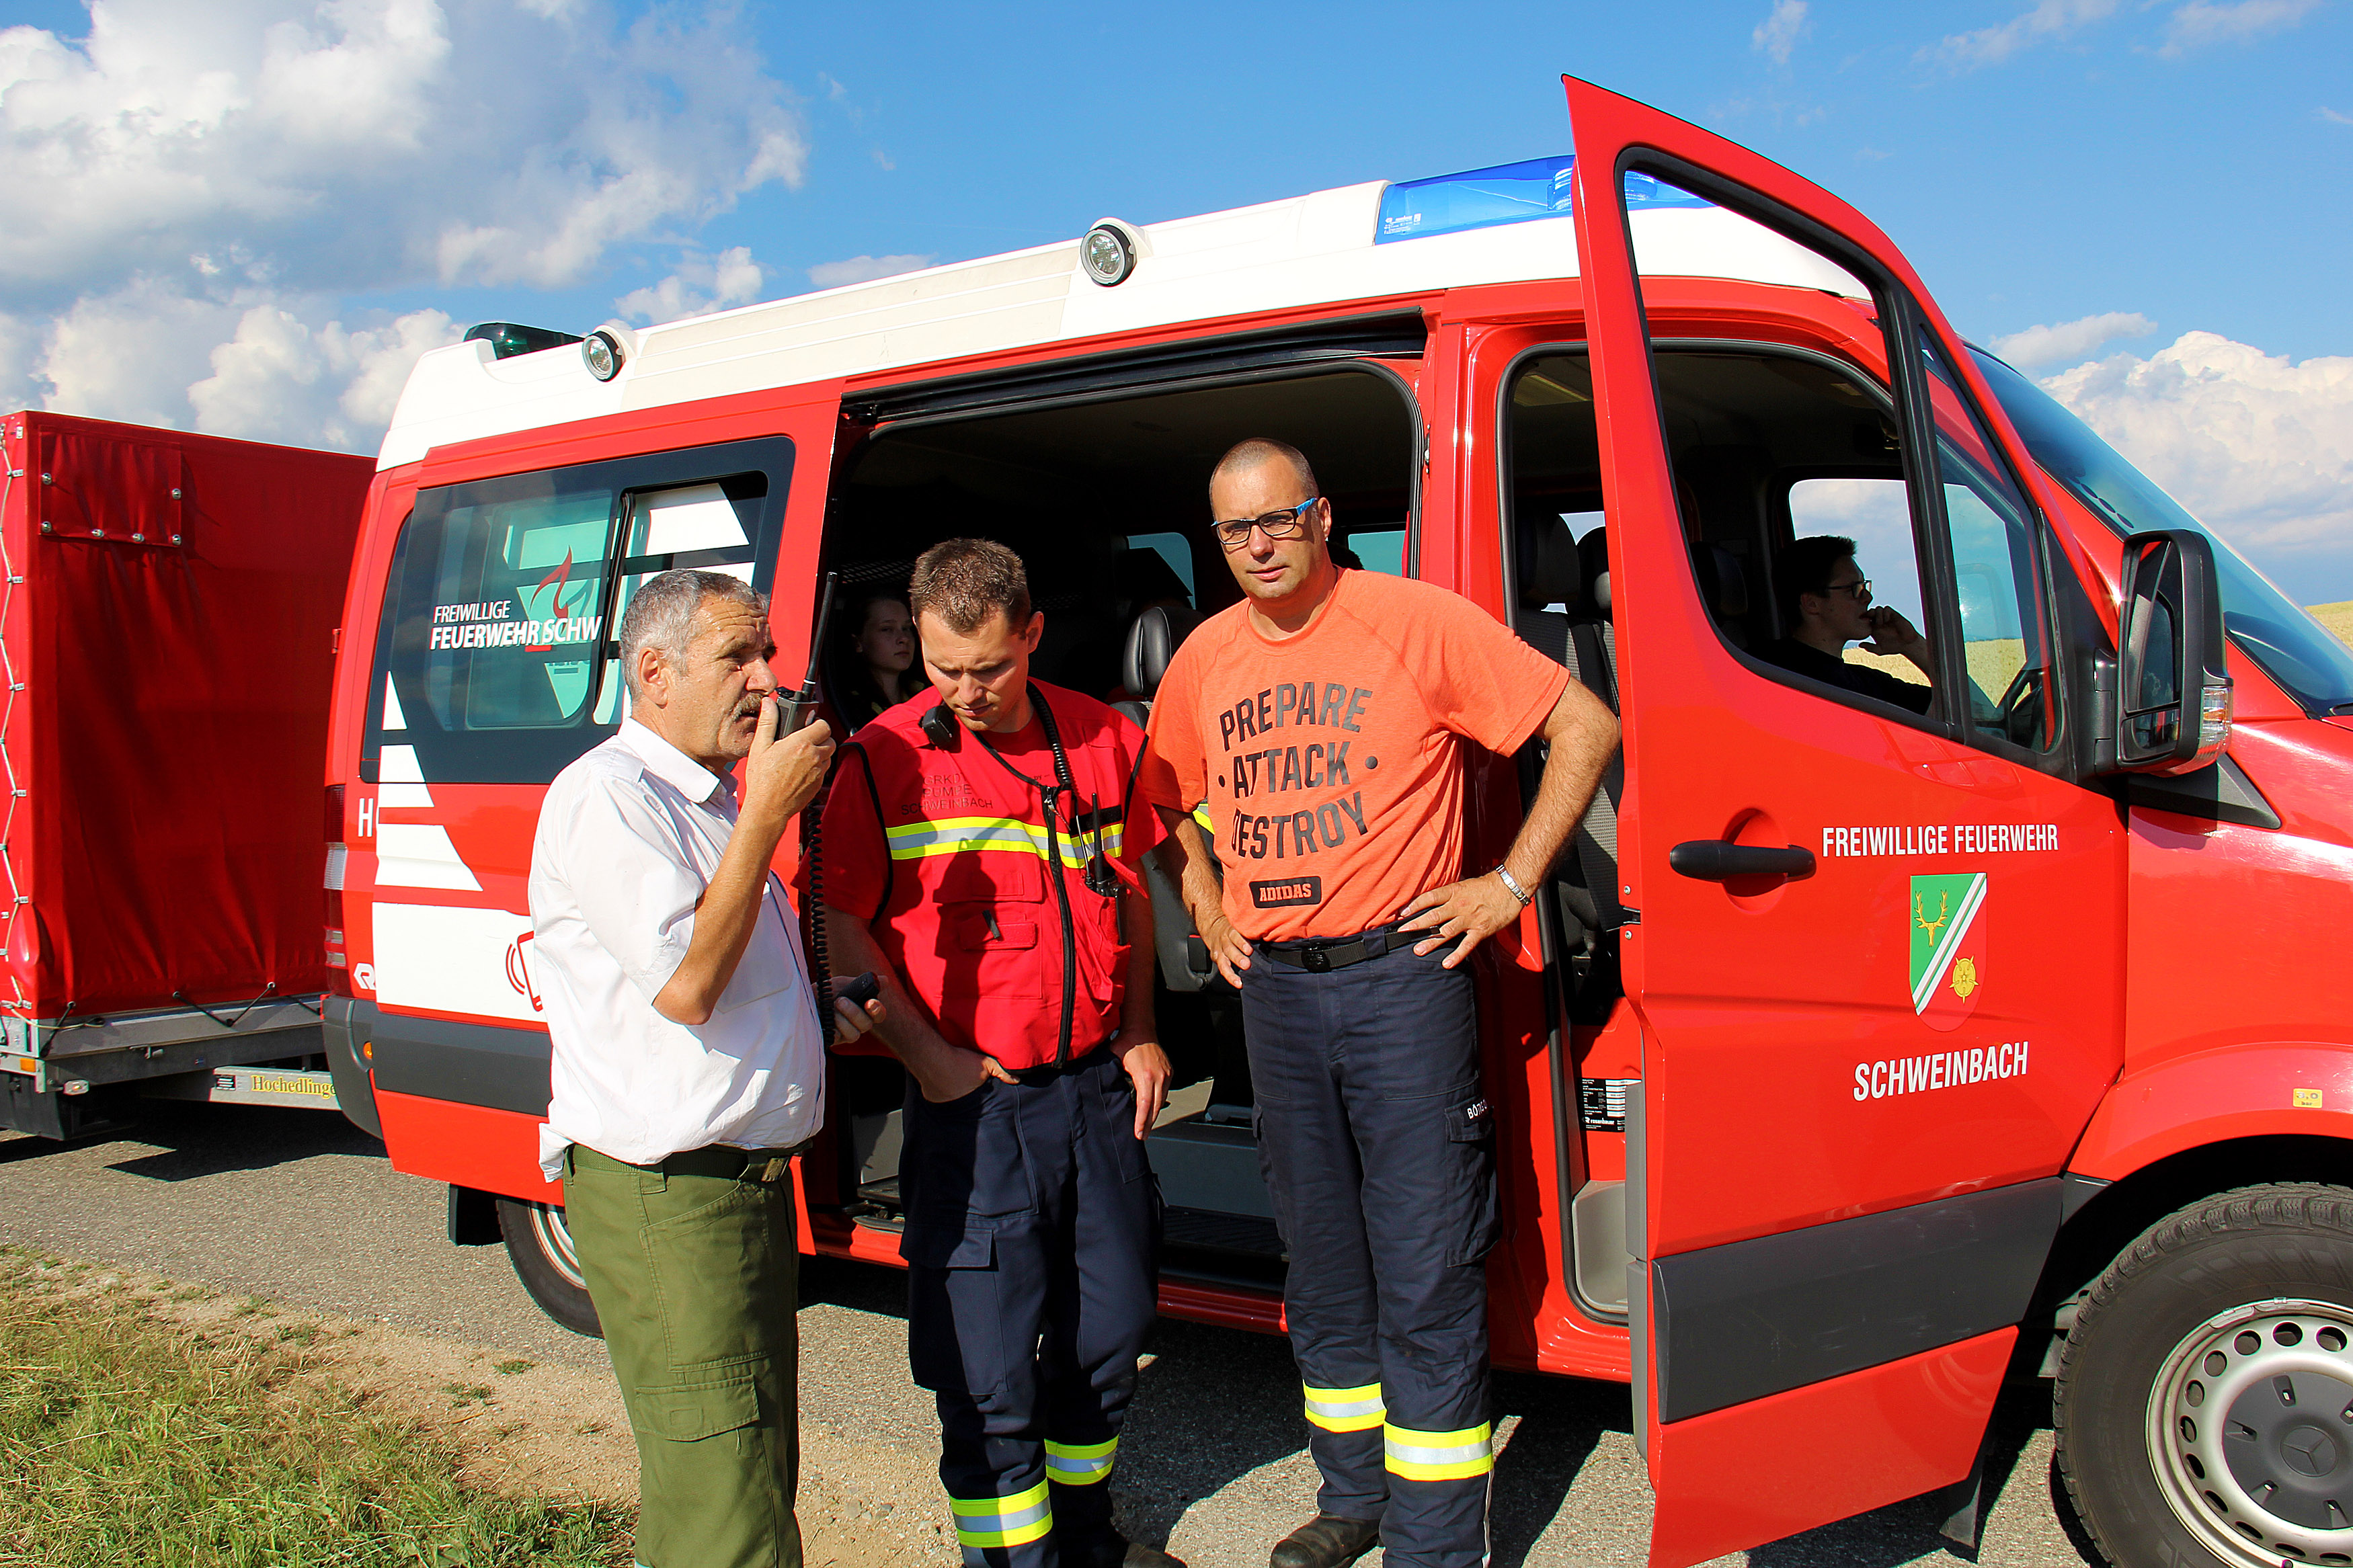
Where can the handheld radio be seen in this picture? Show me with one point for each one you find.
(792, 713)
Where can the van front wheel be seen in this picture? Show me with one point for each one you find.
(540, 1245)
(2204, 1405)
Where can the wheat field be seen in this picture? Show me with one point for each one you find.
(1993, 662)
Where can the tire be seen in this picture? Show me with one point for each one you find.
(540, 1248)
(2204, 1403)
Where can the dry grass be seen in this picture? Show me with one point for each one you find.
(2337, 618)
(129, 1441)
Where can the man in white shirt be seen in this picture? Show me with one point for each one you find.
(688, 1068)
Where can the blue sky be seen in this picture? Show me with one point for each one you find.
(2161, 182)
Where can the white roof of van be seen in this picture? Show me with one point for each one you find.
(1305, 250)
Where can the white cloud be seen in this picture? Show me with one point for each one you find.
(2039, 346)
(864, 268)
(183, 167)
(1992, 46)
(2334, 118)
(2202, 22)
(280, 379)
(2255, 444)
(701, 283)
(128, 353)
(1777, 34)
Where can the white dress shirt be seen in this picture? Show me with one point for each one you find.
(629, 838)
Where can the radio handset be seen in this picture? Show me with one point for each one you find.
(794, 713)
(940, 728)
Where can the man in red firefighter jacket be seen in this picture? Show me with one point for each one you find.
(978, 851)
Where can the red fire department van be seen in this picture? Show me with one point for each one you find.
(1867, 1051)
(166, 647)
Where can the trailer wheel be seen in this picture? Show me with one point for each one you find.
(2204, 1403)
(540, 1247)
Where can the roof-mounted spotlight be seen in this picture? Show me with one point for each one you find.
(1108, 252)
(608, 349)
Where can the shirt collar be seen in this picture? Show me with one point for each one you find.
(670, 764)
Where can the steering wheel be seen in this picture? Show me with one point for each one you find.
(2021, 721)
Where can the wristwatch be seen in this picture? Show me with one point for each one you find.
(1512, 886)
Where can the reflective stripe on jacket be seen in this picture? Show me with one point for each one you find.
(972, 919)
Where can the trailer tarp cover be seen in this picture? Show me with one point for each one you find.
(168, 619)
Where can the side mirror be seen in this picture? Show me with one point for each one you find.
(2172, 712)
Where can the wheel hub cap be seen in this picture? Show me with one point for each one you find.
(2251, 1433)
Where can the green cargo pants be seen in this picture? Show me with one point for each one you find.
(694, 1269)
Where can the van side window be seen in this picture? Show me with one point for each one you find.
(2004, 635)
(1875, 513)
(496, 661)
(1770, 447)
(1378, 548)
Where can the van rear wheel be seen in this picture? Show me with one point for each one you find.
(2204, 1404)
(539, 1243)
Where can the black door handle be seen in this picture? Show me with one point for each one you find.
(1718, 861)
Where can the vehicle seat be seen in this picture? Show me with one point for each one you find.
(1596, 639)
(1549, 574)
(1724, 588)
(1153, 639)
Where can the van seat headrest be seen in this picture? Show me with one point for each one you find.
(1722, 582)
(1593, 556)
(1550, 573)
(1152, 641)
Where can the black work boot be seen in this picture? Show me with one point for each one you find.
(1327, 1541)
(1109, 1548)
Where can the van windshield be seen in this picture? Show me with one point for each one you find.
(2293, 649)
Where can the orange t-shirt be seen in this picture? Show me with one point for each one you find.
(1332, 760)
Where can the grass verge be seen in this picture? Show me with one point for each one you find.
(2337, 618)
(130, 1442)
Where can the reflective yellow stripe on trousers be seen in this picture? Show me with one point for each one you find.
(1079, 1464)
(1344, 1409)
(1013, 1521)
(1439, 1455)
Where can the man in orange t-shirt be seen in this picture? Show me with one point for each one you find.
(1325, 722)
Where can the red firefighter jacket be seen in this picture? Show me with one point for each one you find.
(976, 892)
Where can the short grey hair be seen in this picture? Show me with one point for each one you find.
(1244, 455)
(662, 615)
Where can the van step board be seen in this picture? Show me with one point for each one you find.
(249, 1086)
(1217, 1232)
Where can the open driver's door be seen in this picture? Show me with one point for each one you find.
(1877, 961)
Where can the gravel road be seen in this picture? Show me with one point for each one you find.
(301, 1207)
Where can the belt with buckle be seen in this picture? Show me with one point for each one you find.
(1319, 955)
(729, 1162)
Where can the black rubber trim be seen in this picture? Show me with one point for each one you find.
(474, 1064)
(1753, 1317)
(2222, 793)
(346, 1023)
(474, 1219)
(1397, 334)
(2078, 1191)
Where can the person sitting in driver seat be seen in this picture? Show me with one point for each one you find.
(1827, 601)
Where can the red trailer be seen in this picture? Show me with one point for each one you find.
(167, 626)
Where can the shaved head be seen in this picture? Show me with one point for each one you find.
(1245, 457)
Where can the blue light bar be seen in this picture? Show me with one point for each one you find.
(1508, 192)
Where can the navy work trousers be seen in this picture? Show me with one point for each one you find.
(1032, 1249)
(1378, 1150)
